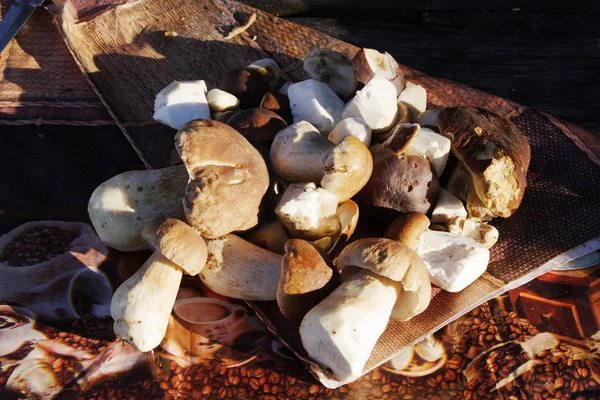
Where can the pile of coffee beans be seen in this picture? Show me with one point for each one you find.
(37, 245)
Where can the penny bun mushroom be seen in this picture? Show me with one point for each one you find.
(223, 169)
(248, 85)
(401, 183)
(332, 68)
(387, 279)
(369, 63)
(257, 124)
(268, 68)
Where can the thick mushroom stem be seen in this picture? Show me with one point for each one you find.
(141, 311)
(341, 331)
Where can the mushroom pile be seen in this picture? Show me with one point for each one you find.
(272, 179)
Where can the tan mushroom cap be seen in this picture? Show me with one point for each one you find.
(407, 228)
(178, 242)
(348, 168)
(396, 261)
(228, 178)
(304, 273)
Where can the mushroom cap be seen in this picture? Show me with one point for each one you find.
(178, 242)
(279, 103)
(369, 62)
(494, 150)
(404, 184)
(396, 261)
(303, 273)
(348, 168)
(401, 137)
(407, 228)
(228, 178)
(247, 84)
(257, 124)
(298, 153)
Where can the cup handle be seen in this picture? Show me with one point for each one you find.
(239, 313)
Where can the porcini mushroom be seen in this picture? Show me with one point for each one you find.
(414, 97)
(181, 102)
(431, 145)
(257, 124)
(308, 212)
(375, 104)
(333, 68)
(247, 84)
(369, 63)
(351, 127)
(304, 275)
(142, 304)
(120, 207)
(453, 261)
(238, 269)
(447, 207)
(279, 103)
(224, 169)
(315, 102)
(298, 152)
(341, 331)
(347, 168)
(271, 236)
(220, 100)
(268, 68)
(495, 152)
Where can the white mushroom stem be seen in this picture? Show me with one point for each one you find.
(317, 103)
(341, 331)
(238, 269)
(375, 104)
(142, 304)
(181, 102)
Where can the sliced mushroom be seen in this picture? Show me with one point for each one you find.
(181, 102)
(347, 214)
(348, 168)
(332, 68)
(238, 269)
(304, 276)
(120, 207)
(453, 261)
(447, 207)
(308, 212)
(227, 178)
(298, 153)
(313, 101)
(142, 304)
(414, 97)
(485, 234)
(433, 146)
(341, 331)
(369, 63)
(351, 127)
(375, 104)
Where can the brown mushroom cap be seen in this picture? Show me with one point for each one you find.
(407, 228)
(368, 62)
(178, 242)
(404, 184)
(257, 124)
(494, 150)
(393, 260)
(246, 84)
(304, 273)
(228, 178)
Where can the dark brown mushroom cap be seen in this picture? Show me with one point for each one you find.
(494, 150)
(401, 183)
(279, 103)
(246, 84)
(228, 178)
(257, 124)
